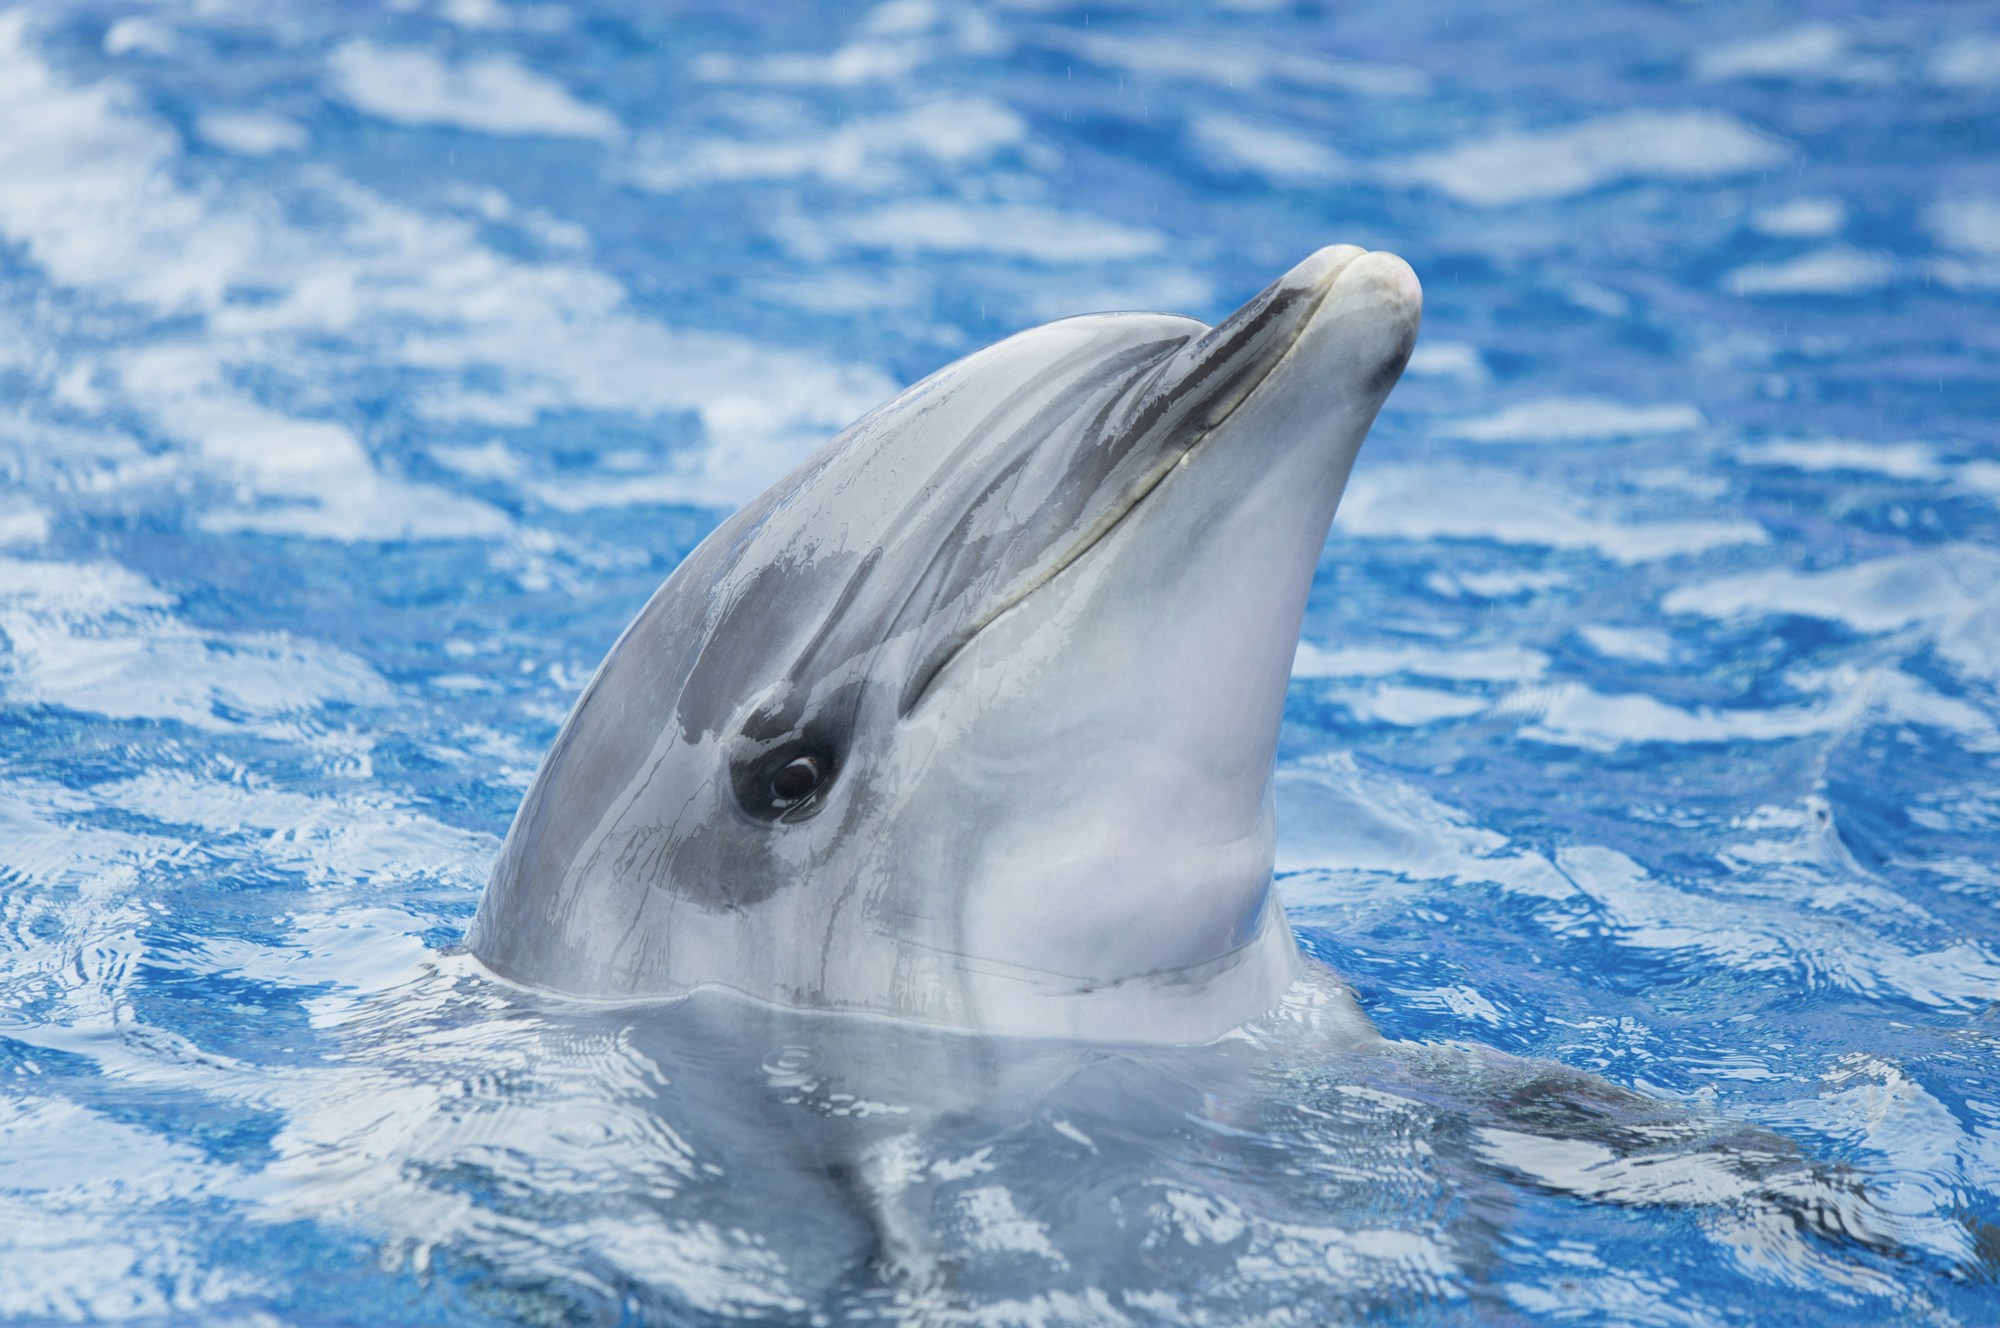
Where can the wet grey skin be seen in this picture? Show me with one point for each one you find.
(971, 718)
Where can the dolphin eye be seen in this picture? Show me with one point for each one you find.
(787, 783)
(796, 780)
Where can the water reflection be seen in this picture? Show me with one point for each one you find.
(715, 1157)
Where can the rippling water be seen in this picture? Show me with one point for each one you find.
(362, 370)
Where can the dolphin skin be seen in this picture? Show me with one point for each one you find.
(971, 719)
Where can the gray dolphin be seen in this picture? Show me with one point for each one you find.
(971, 718)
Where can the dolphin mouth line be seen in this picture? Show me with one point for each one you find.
(1050, 983)
(1147, 483)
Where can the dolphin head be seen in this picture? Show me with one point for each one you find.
(972, 717)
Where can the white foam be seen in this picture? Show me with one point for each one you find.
(1448, 359)
(1809, 51)
(1949, 597)
(368, 507)
(1902, 461)
(1968, 224)
(1598, 299)
(1644, 645)
(763, 409)
(1463, 1001)
(896, 18)
(1980, 477)
(22, 524)
(1893, 697)
(75, 590)
(842, 289)
(1477, 502)
(1337, 818)
(1754, 936)
(141, 34)
(1403, 705)
(1834, 270)
(1802, 218)
(1157, 287)
(1573, 419)
(1980, 274)
(871, 151)
(1572, 715)
(1005, 230)
(251, 133)
(492, 95)
(1502, 584)
(1233, 143)
(95, 638)
(1237, 64)
(490, 460)
(478, 15)
(1881, 595)
(95, 198)
(992, 1221)
(895, 40)
(357, 837)
(1519, 167)
(69, 1169)
(1479, 663)
(91, 198)
(857, 63)
(672, 488)
(157, 670)
(306, 477)
(1969, 62)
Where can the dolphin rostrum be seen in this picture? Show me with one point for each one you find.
(971, 718)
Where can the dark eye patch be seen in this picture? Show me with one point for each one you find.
(791, 751)
(784, 783)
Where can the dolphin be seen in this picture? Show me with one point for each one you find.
(971, 719)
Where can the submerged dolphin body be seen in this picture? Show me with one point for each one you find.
(971, 719)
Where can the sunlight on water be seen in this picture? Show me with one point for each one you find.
(362, 370)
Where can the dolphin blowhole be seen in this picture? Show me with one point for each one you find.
(972, 717)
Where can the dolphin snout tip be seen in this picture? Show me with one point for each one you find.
(1344, 264)
(1385, 279)
(1378, 296)
(1372, 282)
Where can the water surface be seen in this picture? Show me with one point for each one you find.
(363, 369)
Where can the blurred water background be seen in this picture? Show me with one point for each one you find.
(363, 369)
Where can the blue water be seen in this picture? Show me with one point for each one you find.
(363, 369)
